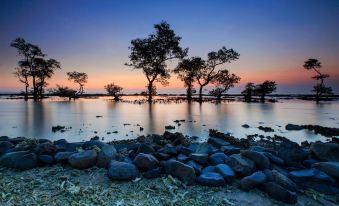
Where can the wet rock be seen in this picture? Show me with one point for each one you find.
(122, 171)
(58, 128)
(182, 158)
(259, 159)
(211, 179)
(178, 169)
(316, 180)
(269, 175)
(229, 150)
(225, 171)
(309, 162)
(197, 167)
(293, 127)
(62, 157)
(106, 154)
(45, 149)
(266, 129)
(217, 158)
(325, 151)
(175, 138)
(284, 181)
(89, 145)
(19, 160)
(274, 159)
(241, 165)
(330, 168)
(146, 161)
(83, 160)
(280, 169)
(153, 173)
(170, 149)
(46, 159)
(5, 146)
(245, 126)
(204, 148)
(253, 180)
(146, 149)
(217, 142)
(162, 156)
(169, 127)
(291, 152)
(200, 158)
(208, 169)
(186, 151)
(279, 193)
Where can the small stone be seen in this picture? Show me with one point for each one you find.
(293, 127)
(62, 157)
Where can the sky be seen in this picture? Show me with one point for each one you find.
(273, 38)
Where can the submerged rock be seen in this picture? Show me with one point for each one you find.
(146, 161)
(211, 179)
(252, 181)
(241, 165)
(260, 160)
(178, 169)
(325, 151)
(122, 171)
(279, 193)
(83, 160)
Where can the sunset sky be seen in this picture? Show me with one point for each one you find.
(273, 38)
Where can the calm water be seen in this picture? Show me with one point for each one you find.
(35, 119)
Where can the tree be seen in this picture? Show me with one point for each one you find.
(249, 91)
(187, 71)
(320, 89)
(79, 78)
(267, 87)
(114, 90)
(223, 82)
(64, 91)
(22, 73)
(29, 52)
(208, 74)
(151, 54)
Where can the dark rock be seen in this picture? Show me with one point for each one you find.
(217, 158)
(208, 169)
(225, 171)
(217, 142)
(5, 146)
(309, 162)
(330, 168)
(95, 138)
(163, 156)
(325, 151)
(257, 149)
(17, 140)
(46, 159)
(259, 159)
(241, 165)
(293, 127)
(182, 158)
(274, 159)
(169, 127)
(211, 179)
(127, 147)
(178, 169)
(200, 158)
(175, 138)
(106, 154)
(122, 171)
(170, 149)
(62, 157)
(279, 193)
(229, 150)
(146, 161)
(284, 181)
(83, 160)
(266, 129)
(294, 166)
(58, 128)
(19, 160)
(4, 138)
(153, 173)
(146, 149)
(186, 151)
(197, 167)
(291, 152)
(245, 126)
(280, 169)
(92, 144)
(45, 149)
(269, 175)
(252, 181)
(204, 148)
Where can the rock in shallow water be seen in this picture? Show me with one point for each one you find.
(178, 169)
(146, 161)
(293, 127)
(252, 181)
(277, 192)
(122, 171)
(211, 179)
(83, 160)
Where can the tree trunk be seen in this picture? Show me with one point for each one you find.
(263, 98)
(189, 93)
(26, 93)
(150, 92)
(219, 97)
(200, 94)
(35, 97)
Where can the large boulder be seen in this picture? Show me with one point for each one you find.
(5, 146)
(89, 145)
(200, 158)
(225, 171)
(62, 157)
(83, 160)
(229, 150)
(197, 167)
(211, 179)
(46, 159)
(291, 152)
(241, 165)
(106, 154)
(260, 160)
(21, 160)
(204, 148)
(316, 180)
(284, 181)
(293, 127)
(146, 149)
(178, 169)
(146, 161)
(217, 142)
(153, 173)
(279, 193)
(253, 180)
(46, 148)
(274, 159)
(330, 168)
(122, 171)
(325, 151)
(217, 158)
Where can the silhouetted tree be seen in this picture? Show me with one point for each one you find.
(150, 54)
(320, 89)
(208, 74)
(64, 91)
(22, 73)
(29, 52)
(79, 78)
(249, 91)
(114, 90)
(223, 82)
(187, 71)
(267, 87)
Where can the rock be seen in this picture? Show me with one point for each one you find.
(229, 150)
(245, 126)
(170, 149)
(257, 149)
(252, 181)
(182, 158)
(269, 175)
(325, 151)
(211, 179)
(309, 162)
(17, 140)
(217, 142)
(46, 159)
(266, 129)
(153, 173)
(169, 127)
(279, 193)
(163, 156)
(284, 181)
(46, 149)
(291, 152)
(197, 167)
(259, 159)
(89, 145)
(204, 148)
(217, 158)
(293, 127)
(225, 171)
(83, 160)
(146, 149)
(122, 171)
(106, 154)
(241, 165)
(280, 169)
(200, 158)
(62, 157)
(330, 168)
(178, 169)
(186, 151)
(146, 161)
(274, 159)
(316, 180)
(19, 160)
(208, 169)
(5, 146)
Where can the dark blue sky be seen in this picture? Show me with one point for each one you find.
(272, 37)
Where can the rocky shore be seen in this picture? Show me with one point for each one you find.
(169, 169)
